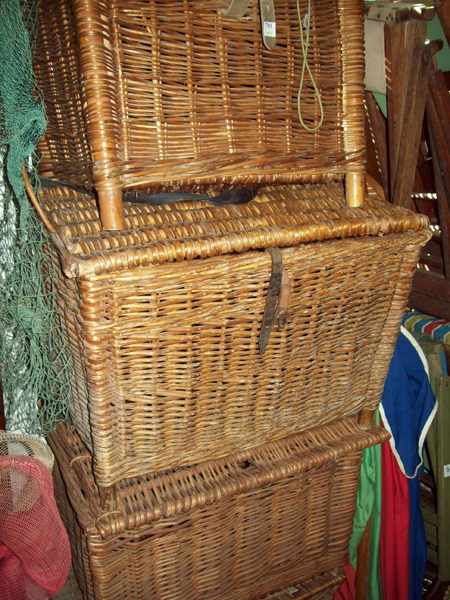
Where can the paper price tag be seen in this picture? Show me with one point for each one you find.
(270, 29)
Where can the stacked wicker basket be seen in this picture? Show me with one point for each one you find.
(226, 358)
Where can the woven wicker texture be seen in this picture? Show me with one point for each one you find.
(168, 370)
(232, 529)
(171, 94)
(322, 587)
(279, 216)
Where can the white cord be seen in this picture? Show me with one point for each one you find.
(304, 43)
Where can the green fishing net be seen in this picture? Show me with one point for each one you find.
(33, 361)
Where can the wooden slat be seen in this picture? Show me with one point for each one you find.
(431, 291)
(438, 114)
(405, 153)
(431, 294)
(377, 133)
(402, 41)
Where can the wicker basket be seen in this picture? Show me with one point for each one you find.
(322, 587)
(234, 529)
(173, 94)
(167, 320)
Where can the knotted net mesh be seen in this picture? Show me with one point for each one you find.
(34, 364)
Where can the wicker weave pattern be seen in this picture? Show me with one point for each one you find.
(168, 370)
(64, 148)
(176, 95)
(279, 216)
(235, 529)
(322, 587)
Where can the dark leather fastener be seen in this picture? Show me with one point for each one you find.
(272, 300)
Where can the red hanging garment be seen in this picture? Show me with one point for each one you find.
(394, 536)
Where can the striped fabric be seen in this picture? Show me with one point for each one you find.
(420, 324)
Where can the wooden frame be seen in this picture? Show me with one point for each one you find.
(431, 291)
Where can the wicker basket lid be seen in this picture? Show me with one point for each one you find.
(279, 216)
(163, 495)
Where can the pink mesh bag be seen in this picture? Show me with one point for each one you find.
(34, 547)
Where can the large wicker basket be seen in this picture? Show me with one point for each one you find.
(234, 529)
(173, 94)
(189, 341)
(322, 587)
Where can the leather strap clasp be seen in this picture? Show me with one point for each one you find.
(277, 301)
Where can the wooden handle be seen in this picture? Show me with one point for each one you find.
(111, 209)
(35, 202)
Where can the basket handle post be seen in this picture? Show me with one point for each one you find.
(355, 189)
(366, 419)
(351, 26)
(97, 54)
(111, 208)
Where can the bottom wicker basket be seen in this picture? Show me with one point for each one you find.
(322, 587)
(232, 529)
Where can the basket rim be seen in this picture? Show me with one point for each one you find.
(141, 500)
(87, 250)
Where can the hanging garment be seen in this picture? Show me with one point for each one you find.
(368, 507)
(407, 410)
(394, 535)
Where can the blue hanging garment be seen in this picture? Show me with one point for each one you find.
(408, 408)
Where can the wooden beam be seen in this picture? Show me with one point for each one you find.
(430, 305)
(432, 284)
(438, 115)
(390, 12)
(402, 43)
(377, 133)
(406, 151)
(431, 294)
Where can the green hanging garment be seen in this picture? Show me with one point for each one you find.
(368, 508)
